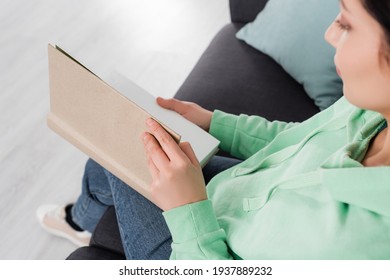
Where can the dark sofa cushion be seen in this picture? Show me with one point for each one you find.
(243, 11)
(94, 253)
(108, 236)
(234, 77)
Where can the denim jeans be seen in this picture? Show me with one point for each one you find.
(143, 230)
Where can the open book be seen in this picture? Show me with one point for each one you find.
(105, 120)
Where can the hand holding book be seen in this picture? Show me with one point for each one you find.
(105, 117)
(189, 110)
(176, 173)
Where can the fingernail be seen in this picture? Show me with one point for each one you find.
(149, 121)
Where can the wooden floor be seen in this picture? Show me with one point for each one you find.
(153, 42)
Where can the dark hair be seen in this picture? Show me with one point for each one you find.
(380, 11)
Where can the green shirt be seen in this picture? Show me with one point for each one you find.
(301, 193)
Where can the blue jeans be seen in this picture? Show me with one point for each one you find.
(143, 230)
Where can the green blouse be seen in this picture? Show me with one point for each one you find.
(300, 193)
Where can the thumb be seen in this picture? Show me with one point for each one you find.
(187, 149)
(171, 104)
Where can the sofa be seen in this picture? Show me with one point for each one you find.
(230, 76)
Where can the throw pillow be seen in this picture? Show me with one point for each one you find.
(292, 33)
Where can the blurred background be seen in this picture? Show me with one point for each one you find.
(154, 43)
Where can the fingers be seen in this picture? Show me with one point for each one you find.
(165, 103)
(172, 104)
(153, 169)
(157, 159)
(163, 152)
(187, 149)
(168, 145)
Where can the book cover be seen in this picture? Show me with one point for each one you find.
(105, 119)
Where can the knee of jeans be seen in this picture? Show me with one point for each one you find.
(112, 179)
(118, 187)
(92, 165)
(108, 174)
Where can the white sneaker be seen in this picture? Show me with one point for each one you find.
(52, 219)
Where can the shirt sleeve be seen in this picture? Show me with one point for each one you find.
(244, 135)
(196, 233)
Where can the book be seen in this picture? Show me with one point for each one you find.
(106, 118)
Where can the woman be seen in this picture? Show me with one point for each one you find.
(315, 190)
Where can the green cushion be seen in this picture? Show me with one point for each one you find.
(292, 33)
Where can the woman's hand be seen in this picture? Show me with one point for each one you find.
(191, 111)
(177, 177)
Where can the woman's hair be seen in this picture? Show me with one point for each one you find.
(380, 11)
